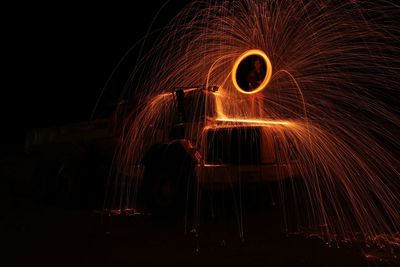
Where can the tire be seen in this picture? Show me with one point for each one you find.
(168, 192)
(160, 191)
(44, 183)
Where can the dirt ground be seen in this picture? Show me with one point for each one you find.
(33, 234)
(72, 237)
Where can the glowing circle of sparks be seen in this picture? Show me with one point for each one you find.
(252, 52)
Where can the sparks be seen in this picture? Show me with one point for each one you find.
(325, 106)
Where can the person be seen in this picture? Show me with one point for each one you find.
(256, 75)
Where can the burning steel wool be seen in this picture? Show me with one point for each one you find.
(304, 91)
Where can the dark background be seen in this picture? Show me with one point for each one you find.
(60, 55)
(56, 60)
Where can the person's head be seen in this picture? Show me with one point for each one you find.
(257, 64)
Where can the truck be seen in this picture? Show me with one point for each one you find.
(203, 149)
(198, 148)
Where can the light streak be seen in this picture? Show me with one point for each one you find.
(267, 78)
(245, 121)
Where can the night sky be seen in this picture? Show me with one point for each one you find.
(59, 56)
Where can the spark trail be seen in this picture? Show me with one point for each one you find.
(335, 85)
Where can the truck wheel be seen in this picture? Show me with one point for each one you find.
(160, 190)
(165, 191)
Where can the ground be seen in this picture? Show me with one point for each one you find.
(34, 234)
